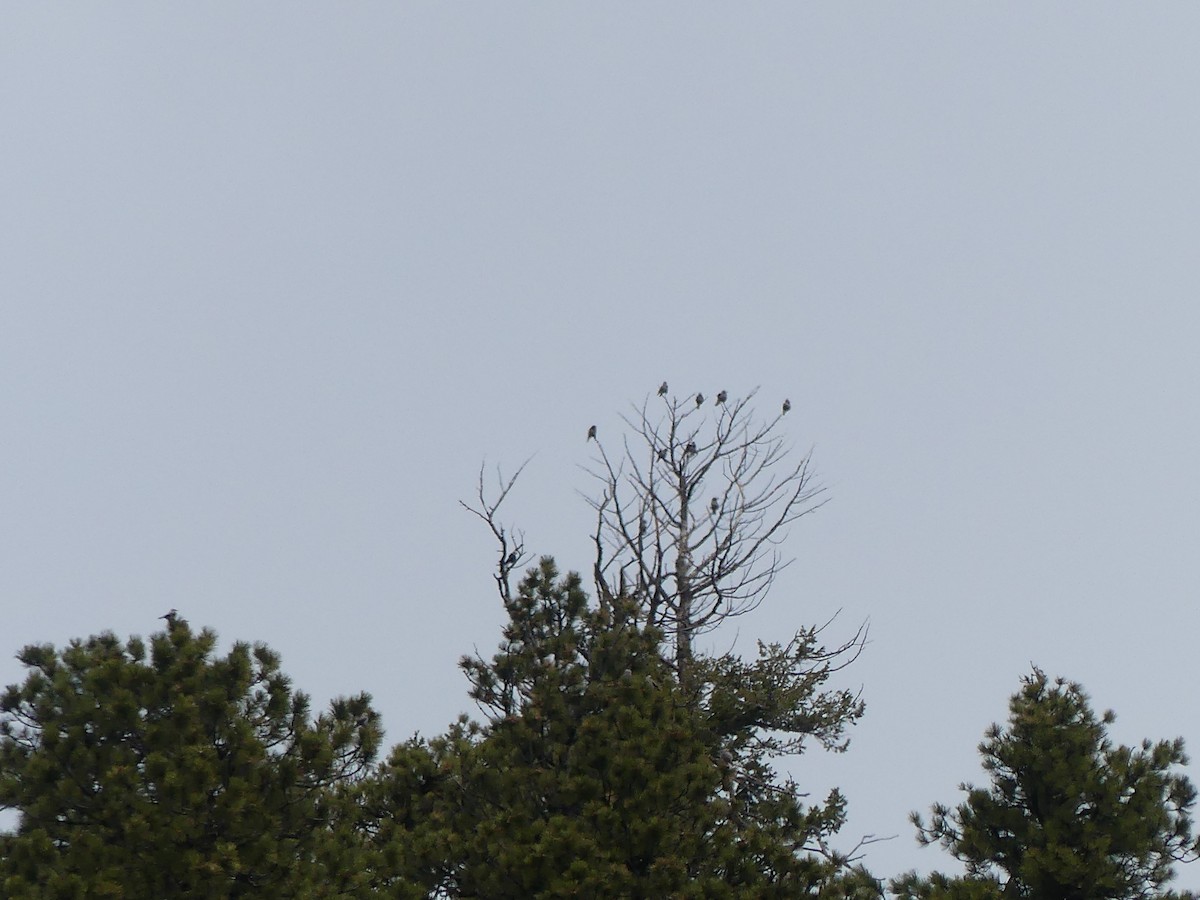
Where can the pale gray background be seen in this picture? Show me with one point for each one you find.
(275, 278)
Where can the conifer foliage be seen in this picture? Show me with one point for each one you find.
(593, 775)
(170, 771)
(1068, 816)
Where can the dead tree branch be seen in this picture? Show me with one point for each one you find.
(692, 510)
(512, 542)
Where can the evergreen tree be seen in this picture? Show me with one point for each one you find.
(689, 520)
(1067, 816)
(174, 774)
(594, 775)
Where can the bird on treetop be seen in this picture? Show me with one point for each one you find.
(690, 448)
(171, 616)
(699, 399)
(787, 404)
(592, 433)
(662, 389)
(512, 558)
(721, 397)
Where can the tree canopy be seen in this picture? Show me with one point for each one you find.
(594, 774)
(170, 771)
(1068, 815)
(612, 755)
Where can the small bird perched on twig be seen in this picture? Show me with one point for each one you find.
(592, 433)
(512, 558)
(721, 397)
(662, 389)
(787, 404)
(714, 506)
(690, 448)
(699, 400)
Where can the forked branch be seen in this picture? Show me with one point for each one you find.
(692, 510)
(512, 542)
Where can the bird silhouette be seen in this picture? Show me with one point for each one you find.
(512, 558)
(662, 389)
(721, 397)
(787, 404)
(662, 454)
(714, 506)
(690, 448)
(699, 399)
(171, 616)
(592, 433)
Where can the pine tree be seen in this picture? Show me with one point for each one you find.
(1067, 816)
(593, 775)
(690, 517)
(175, 773)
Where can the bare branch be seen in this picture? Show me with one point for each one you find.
(512, 543)
(692, 511)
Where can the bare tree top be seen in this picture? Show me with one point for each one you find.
(692, 508)
(511, 541)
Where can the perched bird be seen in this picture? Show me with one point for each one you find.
(714, 506)
(699, 399)
(662, 454)
(787, 404)
(512, 558)
(592, 433)
(690, 448)
(725, 764)
(721, 397)
(172, 616)
(662, 389)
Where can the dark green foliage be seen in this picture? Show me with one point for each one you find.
(177, 774)
(595, 775)
(910, 886)
(1067, 816)
(774, 706)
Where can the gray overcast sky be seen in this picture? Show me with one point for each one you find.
(276, 278)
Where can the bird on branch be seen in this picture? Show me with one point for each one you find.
(662, 454)
(721, 397)
(725, 764)
(173, 619)
(512, 558)
(787, 404)
(592, 433)
(662, 389)
(714, 506)
(699, 400)
(690, 448)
